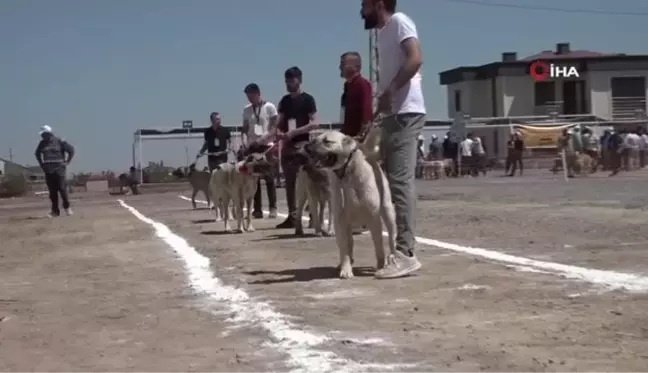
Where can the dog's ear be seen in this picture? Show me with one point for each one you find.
(347, 142)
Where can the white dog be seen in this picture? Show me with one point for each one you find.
(237, 182)
(312, 185)
(360, 195)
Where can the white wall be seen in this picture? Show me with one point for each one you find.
(476, 98)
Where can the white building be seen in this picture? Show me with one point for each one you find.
(609, 86)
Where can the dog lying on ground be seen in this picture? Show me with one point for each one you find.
(199, 181)
(312, 185)
(237, 183)
(360, 194)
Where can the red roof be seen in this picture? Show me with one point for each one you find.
(549, 54)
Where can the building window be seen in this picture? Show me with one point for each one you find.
(457, 101)
(545, 93)
(631, 86)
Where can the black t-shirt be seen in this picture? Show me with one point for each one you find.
(299, 109)
(216, 140)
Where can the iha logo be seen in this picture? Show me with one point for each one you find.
(540, 71)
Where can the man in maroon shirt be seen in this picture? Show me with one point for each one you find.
(358, 105)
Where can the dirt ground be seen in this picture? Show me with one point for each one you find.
(100, 291)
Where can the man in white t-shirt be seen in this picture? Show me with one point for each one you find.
(259, 121)
(401, 102)
(466, 150)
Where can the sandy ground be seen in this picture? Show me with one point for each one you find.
(105, 290)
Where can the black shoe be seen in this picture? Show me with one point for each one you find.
(286, 224)
(257, 214)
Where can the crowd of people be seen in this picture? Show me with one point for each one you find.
(400, 102)
(615, 150)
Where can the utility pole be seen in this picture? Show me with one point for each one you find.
(374, 75)
(10, 155)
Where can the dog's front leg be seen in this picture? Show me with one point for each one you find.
(326, 204)
(344, 239)
(224, 209)
(248, 215)
(375, 228)
(193, 198)
(207, 198)
(315, 214)
(301, 201)
(238, 202)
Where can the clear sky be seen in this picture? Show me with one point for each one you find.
(97, 70)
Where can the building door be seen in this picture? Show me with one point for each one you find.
(574, 99)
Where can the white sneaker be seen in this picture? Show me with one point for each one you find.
(69, 212)
(398, 265)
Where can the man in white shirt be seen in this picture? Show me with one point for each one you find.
(259, 121)
(643, 147)
(401, 102)
(466, 149)
(478, 156)
(632, 142)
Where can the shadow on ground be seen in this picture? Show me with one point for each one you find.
(305, 274)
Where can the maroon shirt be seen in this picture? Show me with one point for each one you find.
(358, 104)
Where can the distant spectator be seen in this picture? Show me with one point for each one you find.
(53, 155)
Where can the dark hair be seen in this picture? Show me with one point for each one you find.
(293, 73)
(390, 5)
(353, 54)
(252, 88)
(214, 114)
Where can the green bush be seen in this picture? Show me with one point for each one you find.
(13, 186)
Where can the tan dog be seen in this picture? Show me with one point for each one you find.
(360, 195)
(237, 183)
(584, 164)
(199, 181)
(312, 185)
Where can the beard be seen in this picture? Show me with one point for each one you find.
(370, 20)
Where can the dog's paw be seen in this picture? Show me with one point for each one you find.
(250, 229)
(328, 234)
(239, 230)
(346, 272)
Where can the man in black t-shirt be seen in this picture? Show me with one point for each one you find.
(217, 139)
(297, 118)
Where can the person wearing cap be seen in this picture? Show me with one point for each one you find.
(566, 144)
(53, 155)
(259, 122)
(297, 118)
(218, 139)
(434, 149)
(516, 151)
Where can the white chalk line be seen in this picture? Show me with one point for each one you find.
(610, 280)
(287, 337)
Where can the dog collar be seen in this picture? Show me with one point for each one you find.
(341, 172)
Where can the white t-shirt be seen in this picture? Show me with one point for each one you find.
(644, 141)
(478, 147)
(466, 148)
(259, 119)
(632, 141)
(408, 99)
